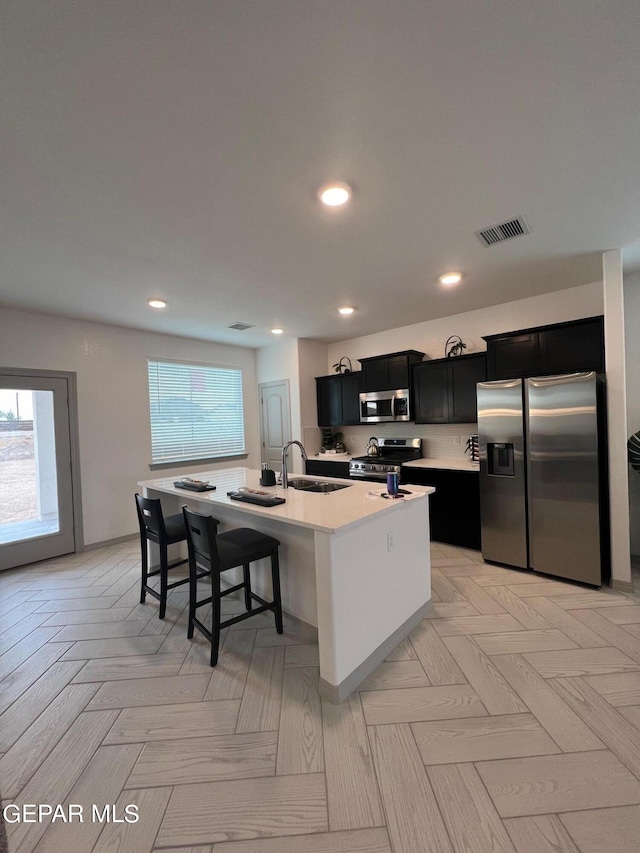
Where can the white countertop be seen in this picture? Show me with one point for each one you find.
(451, 464)
(329, 512)
(331, 457)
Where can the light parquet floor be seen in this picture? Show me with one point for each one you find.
(509, 721)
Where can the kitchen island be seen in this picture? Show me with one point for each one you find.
(353, 564)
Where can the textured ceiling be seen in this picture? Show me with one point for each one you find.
(175, 149)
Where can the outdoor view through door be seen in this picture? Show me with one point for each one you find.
(36, 495)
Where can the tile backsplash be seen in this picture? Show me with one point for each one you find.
(438, 440)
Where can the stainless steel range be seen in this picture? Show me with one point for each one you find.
(392, 452)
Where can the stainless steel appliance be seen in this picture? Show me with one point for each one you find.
(392, 452)
(378, 406)
(543, 478)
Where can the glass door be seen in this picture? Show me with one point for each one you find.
(36, 489)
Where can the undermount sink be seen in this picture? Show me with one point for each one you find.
(316, 485)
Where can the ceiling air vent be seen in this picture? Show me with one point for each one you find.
(505, 231)
(240, 327)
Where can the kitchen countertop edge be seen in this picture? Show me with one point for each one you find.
(451, 464)
(295, 512)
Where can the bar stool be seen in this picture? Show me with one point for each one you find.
(154, 527)
(215, 554)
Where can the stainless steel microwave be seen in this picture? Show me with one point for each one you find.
(377, 406)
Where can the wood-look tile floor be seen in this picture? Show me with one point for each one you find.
(508, 721)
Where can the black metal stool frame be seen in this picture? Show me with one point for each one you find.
(152, 529)
(203, 551)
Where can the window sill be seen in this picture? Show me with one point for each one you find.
(180, 463)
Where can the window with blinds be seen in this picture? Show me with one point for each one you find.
(196, 411)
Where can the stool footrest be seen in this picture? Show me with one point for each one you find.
(261, 600)
(248, 614)
(233, 621)
(170, 566)
(232, 589)
(177, 583)
(151, 591)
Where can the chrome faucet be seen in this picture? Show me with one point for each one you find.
(283, 473)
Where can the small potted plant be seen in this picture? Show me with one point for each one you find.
(341, 366)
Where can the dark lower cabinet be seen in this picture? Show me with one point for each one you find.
(319, 468)
(454, 508)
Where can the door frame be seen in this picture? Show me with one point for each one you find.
(72, 387)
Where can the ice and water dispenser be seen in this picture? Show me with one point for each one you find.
(500, 459)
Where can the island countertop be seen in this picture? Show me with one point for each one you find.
(353, 565)
(328, 512)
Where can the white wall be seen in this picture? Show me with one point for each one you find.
(113, 403)
(430, 336)
(632, 355)
(614, 336)
(312, 362)
(278, 362)
(299, 361)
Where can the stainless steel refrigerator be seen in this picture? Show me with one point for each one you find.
(543, 477)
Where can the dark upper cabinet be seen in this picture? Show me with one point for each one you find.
(573, 347)
(559, 348)
(389, 372)
(512, 356)
(445, 389)
(431, 392)
(351, 387)
(465, 372)
(329, 396)
(337, 397)
(375, 375)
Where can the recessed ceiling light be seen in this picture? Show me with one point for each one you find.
(346, 310)
(335, 194)
(156, 303)
(277, 331)
(450, 278)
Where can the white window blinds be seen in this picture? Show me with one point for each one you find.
(196, 411)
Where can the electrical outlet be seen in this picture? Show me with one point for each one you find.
(390, 541)
(456, 439)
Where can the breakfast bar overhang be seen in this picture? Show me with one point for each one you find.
(353, 564)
